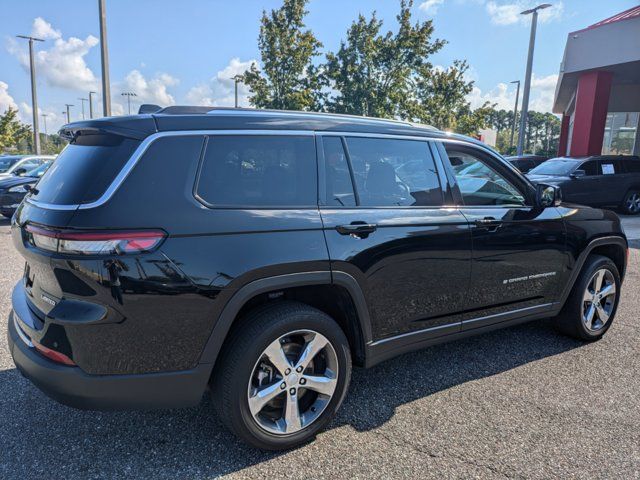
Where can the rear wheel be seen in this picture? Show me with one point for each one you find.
(592, 304)
(631, 203)
(282, 376)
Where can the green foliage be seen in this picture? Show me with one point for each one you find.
(288, 80)
(542, 133)
(373, 74)
(12, 130)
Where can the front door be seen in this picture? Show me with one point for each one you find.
(519, 261)
(410, 255)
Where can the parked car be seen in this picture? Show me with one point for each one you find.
(525, 163)
(597, 181)
(263, 253)
(25, 164)
(13, 189)
(7, 161)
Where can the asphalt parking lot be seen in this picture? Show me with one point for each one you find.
(523, 402)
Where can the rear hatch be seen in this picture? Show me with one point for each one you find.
(80, 175)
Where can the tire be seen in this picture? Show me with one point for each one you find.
(244, 368)
(631, 203)
(580, 306)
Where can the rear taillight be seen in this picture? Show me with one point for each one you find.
(53, 355)
(93, 242)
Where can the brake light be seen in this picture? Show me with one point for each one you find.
(94, 243)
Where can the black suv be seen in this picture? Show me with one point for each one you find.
(262, 253)
(597, 181)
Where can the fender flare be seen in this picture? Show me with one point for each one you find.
(244, 294)
(577, 268)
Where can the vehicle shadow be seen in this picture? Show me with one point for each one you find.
(40, 436)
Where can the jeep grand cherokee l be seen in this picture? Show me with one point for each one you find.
(263, 253)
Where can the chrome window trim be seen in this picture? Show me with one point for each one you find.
(139, 152)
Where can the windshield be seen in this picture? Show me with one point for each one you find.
(6, 162)
(555, 166)
(38, 171)
(26, 164)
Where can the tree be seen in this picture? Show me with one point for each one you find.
(12, 130)
(288, 80)
(373, 74)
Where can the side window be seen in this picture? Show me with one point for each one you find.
(632, 166)
(259, 170)
(390, 172)
(480, 184)
(611, 167)
(590, 168)
(338, 176)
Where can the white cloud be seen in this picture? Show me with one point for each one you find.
(6, 100)
(430, 6)
(503, 95)
(510, 13)
(62, 64)
(220, 91)
(153, 90)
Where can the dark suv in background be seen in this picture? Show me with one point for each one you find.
(597, 181)
(262, 253)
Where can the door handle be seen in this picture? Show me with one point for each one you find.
(357, 229)
(488, 223)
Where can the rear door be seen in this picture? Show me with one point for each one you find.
(393, 233)
(519, 261)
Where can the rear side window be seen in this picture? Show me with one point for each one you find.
(259, 170)
(390, 172)
(611, 166)
(632, 166)
(85, 169)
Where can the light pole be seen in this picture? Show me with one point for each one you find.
(91, 104)
(44, 121)
(104, 57)
(82, 100)
(68, 113)
(129, 95)
(237, 79)
(34, 95)
(527, 78)
(515, 113)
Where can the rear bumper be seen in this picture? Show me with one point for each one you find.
(73, 387)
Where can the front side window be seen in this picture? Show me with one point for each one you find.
(590, 168)
(259, 170)
(394, 172)
(338, 177)
(480, 184)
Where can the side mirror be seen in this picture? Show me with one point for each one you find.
(578, 174)
(548, 195)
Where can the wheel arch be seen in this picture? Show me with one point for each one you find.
(312, 288)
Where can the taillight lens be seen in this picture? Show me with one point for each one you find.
(53, 355)
(94, 243)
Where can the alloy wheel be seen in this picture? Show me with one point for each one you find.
(599, 300)
(292, 382)
(633, 203)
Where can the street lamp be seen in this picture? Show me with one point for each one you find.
(104, 58)
(527, 78)
(82, 100)
(515, 113)
(44, 120)
(129, 95)
(68, 105)
(34, 96)
(237, 79)
(91, 104)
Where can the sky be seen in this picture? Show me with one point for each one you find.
(185, 52)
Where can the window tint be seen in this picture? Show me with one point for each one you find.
(259, 170)
(338, 177)
(481, 185)
(85, 169)
(394, 172)
(611, 166)
(590, 168)
(632, 166)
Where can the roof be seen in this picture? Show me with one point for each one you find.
(633, 12)
(184, 118)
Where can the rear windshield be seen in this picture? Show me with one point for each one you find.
(85, 169)
(554, 167)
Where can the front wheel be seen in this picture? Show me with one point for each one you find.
(592, 304)
(631, 203)
(283, 375)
